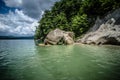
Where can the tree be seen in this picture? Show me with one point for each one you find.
(74, 15)
(79, 24)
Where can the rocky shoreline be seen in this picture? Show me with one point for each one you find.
(108, 33)
(104, 31)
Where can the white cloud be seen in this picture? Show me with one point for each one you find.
(22, 22)
(32, 8)
(13, 3)
(3, 27)
(17, 23)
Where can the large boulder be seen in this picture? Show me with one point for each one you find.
(108, 33)
(68, 38)
(59, 36)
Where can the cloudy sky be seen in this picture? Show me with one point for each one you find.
(19, 17)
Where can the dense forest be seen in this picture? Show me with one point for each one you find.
(74, 15)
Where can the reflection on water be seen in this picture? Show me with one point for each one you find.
(22, 60)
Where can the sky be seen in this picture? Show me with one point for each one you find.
(20, 17)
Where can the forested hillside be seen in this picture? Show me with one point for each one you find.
(74, 15)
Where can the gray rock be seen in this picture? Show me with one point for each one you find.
(107, 33)
(58, 36)
(105, 30)
(113, 14)
(68, 38)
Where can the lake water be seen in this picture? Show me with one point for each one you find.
(22, 60)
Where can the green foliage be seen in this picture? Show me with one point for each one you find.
(79, 24)
(37, 33)
(74, 15)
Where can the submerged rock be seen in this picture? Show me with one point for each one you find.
(58, 36)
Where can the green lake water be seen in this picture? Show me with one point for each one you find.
(22, 60)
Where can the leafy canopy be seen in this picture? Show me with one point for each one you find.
(74, 15)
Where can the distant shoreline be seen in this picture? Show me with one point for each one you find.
(12, 37)
(17, 39)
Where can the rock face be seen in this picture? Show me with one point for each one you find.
(113, 14)
(108, 33)
(105, 31)
(58, 36)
